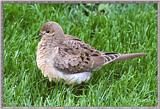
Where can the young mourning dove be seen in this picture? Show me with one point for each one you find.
(61, 56)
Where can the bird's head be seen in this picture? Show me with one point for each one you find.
(51, 29)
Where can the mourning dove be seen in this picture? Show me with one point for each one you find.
(64, 57)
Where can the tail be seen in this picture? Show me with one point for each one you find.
(108, 57)
(111, 57)
(129, 56)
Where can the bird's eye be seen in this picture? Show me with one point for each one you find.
(47, 31)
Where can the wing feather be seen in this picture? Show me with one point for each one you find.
(75, 56)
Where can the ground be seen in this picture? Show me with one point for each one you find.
(123, 28)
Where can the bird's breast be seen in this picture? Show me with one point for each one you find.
(45, 54)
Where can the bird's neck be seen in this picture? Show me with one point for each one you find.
(47, 40)
(55, 39)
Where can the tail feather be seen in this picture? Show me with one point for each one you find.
(111, 57)
(129, 56)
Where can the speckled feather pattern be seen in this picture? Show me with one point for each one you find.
(61, 56)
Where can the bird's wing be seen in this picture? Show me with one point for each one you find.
(74, 56)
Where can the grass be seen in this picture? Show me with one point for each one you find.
(122, 28)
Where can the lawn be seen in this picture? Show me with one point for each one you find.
(123, 28)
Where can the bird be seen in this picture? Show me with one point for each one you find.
(65, 57)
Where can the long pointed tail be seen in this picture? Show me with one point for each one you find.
(129, 56)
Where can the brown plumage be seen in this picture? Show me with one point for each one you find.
(62, 56)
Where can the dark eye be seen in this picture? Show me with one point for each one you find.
(47, 31)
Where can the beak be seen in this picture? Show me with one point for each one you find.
(41, 33)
